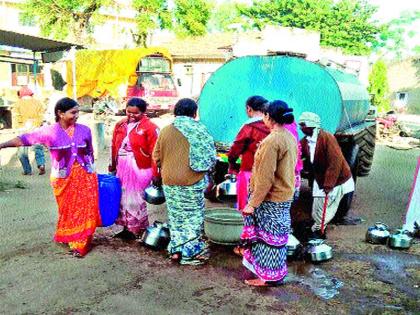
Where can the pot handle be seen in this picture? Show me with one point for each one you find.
(381, 226)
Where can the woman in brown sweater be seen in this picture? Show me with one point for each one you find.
(185, 152)
(267, 214)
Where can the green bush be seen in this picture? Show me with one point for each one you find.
(378, 86)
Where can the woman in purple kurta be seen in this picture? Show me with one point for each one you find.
(72, 176)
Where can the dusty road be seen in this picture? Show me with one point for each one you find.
(38, 277)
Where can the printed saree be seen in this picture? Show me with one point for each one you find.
(78, 208)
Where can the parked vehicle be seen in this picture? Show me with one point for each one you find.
(337, 97)
(123, 74)
(154, 82)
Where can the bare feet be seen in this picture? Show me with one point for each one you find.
(256, 283)
(239, 251)
(175, 257)
(41, 170)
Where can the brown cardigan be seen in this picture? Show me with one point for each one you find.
(329, 167)
(172, 155)
(273, 173)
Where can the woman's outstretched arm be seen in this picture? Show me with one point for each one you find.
(15, 142)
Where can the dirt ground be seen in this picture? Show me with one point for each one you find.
(117, 277)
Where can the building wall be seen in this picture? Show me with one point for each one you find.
(193, 74)
(404, 77)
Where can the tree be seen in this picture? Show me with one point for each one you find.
(378, 86)
(151, 15)
(191, 17)
(395, 33)
(225, 16)
(64, 19)
(344, 23)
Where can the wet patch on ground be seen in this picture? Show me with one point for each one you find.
(392, 268)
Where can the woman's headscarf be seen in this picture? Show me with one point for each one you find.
(202, 151)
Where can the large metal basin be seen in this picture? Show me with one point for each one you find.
(223, 225)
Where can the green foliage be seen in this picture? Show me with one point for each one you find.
(345, 23)
(225, 16)
(63, 19)
(191, 17)
(394, 34)
(378, 86)
(151, 15)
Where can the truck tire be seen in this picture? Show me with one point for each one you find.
(366, 141)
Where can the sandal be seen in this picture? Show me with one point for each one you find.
(192, 262)
(75, 253)
(256, 283)
(261, 283)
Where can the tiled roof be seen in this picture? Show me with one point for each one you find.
(209, 46)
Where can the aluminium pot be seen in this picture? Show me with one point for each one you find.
(377, 234)
(223, 225)
(292, 245)
(226, 190)
(154, 195)
(401, 239)
(318, 251)
(156, 236)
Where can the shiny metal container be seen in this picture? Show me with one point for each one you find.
(156, 236)
(377, 234)
(401, 239)
(226, 190)
(318, 251)
(292, 245)
(154, 195)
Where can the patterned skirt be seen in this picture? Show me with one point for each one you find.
(266, 233)
(186, 219)
(78, 208)
(133, 210)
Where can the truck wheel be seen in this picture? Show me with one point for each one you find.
(366, 141)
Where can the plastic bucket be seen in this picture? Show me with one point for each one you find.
(109, 198)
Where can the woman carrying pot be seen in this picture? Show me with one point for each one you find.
(73, 179)
(267, 214)
(133, 141)
(185, 152)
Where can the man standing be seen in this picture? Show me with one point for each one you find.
(326, 164)
(28, 114)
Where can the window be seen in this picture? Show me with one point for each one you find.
(402, 96)
(156, 82)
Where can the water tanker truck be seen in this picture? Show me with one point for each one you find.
(337, 97)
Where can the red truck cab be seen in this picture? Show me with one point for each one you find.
(154, 83)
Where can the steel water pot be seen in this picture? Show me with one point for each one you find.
(154, 195)
(292, 245)
(377, 234)
(156, 236)
(318, 251)
(226, 190)
(401, 239)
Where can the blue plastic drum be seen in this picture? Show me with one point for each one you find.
(109, 198)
